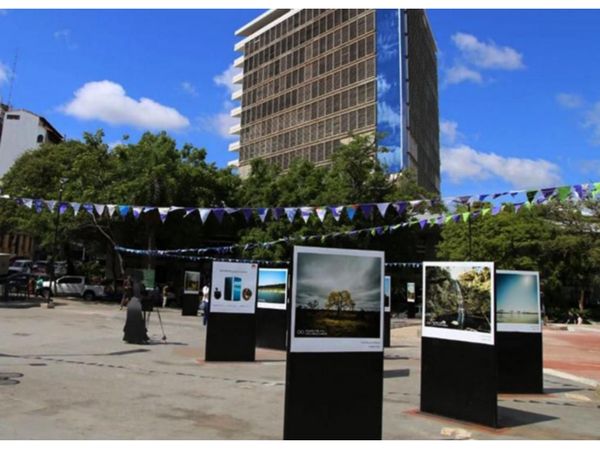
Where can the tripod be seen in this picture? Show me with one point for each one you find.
(164, 336)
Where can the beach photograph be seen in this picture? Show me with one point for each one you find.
(517, 300)
(272, 286)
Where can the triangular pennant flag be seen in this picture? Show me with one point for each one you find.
(350, 211)
(189, 211)
(456, 217)
(414, 203)
(124, 210)
(62, 207)
(321, 213)
(367, 209)
(463, 199)
(277, 212)
(447, 219)
(27, 202)
(382, 207)
(531, 195)
(99, 208)
(204, 212)
(579, 190)
(175, 208)
(500, 194)
(423, 223)
(111, 209)
(496, 210)
(528, 205)
(247, 213)
(38, 205)
(262, 213)
(441, 220)
(482, 197)
(219, 213)
(466, 216)
(514, 193)
(76, 206)
(163, 213)
(306, 212)
(518, 206)
(548, 192)
(88, 207)
(379, 231)
(231, 211)
(137, 210)
(290, 213)
(564, 192)
(50, 204)
(485, 211)
(400, 207)
(335, 212)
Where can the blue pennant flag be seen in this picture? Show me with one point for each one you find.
(277, 213)
(367, 209)
(336, 212)
(400, 207)
(88, 207)
(350, 211)
(219, 213)
(290, 213)
(262, 213)
(123, 210)
(247, 213)
(62, 207)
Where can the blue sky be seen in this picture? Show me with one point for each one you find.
(519, 97)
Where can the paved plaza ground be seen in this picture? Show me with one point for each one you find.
(65, 373)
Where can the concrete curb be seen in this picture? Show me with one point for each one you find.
(570, 377)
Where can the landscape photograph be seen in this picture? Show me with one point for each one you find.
(272, 286)
(517, 298)
(338, 296)
(459, 297)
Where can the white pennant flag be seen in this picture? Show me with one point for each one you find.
(76, 207)
(28, 202)
(99, 209)
(111, 209)
(306, 212)
(321, 212)
(382, 207)
(204, 212)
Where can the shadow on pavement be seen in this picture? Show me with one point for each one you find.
(396, 373)
(509, 417)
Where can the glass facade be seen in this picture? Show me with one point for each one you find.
(390, 86)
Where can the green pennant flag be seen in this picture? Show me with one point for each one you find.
(596, 190)
(528, 205)
(485, 211)
(466, 216)
(447, 219)
(563, 192)
(373, 232)
(531, 195)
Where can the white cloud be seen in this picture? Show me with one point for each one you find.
(487, 55)
(382, 85)
(592, 120)
(459, 73)
(225, 79)
(108, 102)
(448, 131)
(220, 123)
(386, 114)
(4, 73)
(189, 88)
(569, 101)
(462, 163)
(65, 37)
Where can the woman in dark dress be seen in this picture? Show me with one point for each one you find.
(135, 327)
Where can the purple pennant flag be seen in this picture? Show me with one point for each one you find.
(38, 205)
(306, 212)
(277, 212)
(514, 193)
(423, 223)
(219, 213)
(518, 206)
(541, 200)
(379, 231)
(231, 211)
(50, 204)
(463, 199)
(350, 211)
(321, 213)
(204, 212)
(400, 207)
(579, 189)
(163, 213)
(499, 195)
(262, 213)
(335, 212)
(482, 197)
(290, 213)
(62, 207)
(382, 207)
(367, 209)
(548, 192)
(123, 210)
(137, 210)
(456, 217)
(88, 207)
(496, 210)
(247, 213)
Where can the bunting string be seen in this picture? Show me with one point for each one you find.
(536, 196)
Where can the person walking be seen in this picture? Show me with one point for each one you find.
(135, 331)
(205, 304)
(165, 295)
(127, 291)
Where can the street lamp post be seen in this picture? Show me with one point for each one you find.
(61, 186)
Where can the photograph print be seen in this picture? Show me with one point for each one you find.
(337, 300)
(191, 283)
(387, 293)
(233, 288)
(458, 301)
(410, 292)
(518, 301)
(272, 288)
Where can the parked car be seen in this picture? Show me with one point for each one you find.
(21, 266)
(75, 286)
(17, 283)
(40, 267)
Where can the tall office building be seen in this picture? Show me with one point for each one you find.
(310, 77)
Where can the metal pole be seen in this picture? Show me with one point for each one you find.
(54, 245)
(470, 235)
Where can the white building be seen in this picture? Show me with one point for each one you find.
(20, 131)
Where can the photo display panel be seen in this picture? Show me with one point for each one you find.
(337, 300)
(518, 306)
(272, 288)
(410, 292)
(191, 283)
(458, 301)
(233, 288)
(387, 293)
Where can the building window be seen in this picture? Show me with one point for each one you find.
(13, 117)
(40, 138)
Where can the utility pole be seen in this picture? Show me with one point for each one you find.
(61, 186)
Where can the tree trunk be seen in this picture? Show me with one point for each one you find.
(581, 302)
